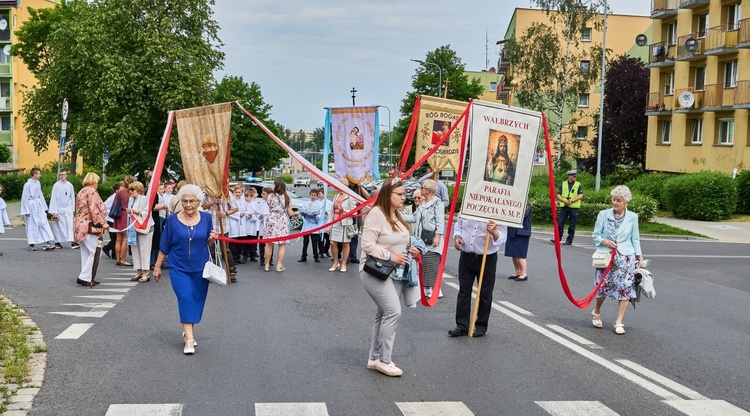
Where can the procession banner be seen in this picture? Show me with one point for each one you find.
(436, 117)
(355, 132)
(204, 144)
(503, 143)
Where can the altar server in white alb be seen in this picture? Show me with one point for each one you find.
(34, 208)
(62, 203)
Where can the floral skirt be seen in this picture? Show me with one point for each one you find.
(619, 283)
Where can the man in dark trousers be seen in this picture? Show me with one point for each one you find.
(569, 196)
(469, 237)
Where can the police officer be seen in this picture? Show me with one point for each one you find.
(569, 196)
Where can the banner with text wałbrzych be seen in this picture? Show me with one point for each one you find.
(503, 142)
(436, 117)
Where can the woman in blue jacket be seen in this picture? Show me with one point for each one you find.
(616, 231)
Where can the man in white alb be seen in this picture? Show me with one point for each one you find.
(33, 208)
(62, 204)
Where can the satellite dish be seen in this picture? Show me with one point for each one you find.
(691, 45)
(641, 40)
(3, 24)
(686, 99)
(6, 50)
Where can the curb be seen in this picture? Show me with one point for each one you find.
(22, 396)
(645, 236)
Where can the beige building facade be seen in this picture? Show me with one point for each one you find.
(699, 97)
(14, 75)
(622, 31)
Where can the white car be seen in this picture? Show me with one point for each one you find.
(302, 181)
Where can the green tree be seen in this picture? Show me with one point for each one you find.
(5, 154)
(252, 149)
(546, 63)
(123, 65)
(299, 141)
(318, 139)
(425, 81)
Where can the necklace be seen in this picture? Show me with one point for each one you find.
(190, 237)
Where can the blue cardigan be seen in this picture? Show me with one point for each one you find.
(628, 240)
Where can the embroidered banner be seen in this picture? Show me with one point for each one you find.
(204, 144)
(354, 132)
(436, 117)
(503, 143)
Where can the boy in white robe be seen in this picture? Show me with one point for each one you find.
(252, 221)
(4, 221)
(34, 210)
(62, 203)
(237, 223)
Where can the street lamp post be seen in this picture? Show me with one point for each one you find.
(390, 153)
(440, 74)
(601, 103)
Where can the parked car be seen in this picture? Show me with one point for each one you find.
(409, 187)
(302, 181)
(320, 184)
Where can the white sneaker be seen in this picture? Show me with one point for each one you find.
(428, 292)
(389, 369)
(441, 294)
(373, 364)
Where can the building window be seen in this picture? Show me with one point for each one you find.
(4, 57)
(700, 78)
(702, 25)
(672, 33)
(5, 33)
(586, 34)
(5, 123)
(666, 132)
(583, 100)
(493, 86)
(726, 132)
(582, 132)
(733, 17)
(730, 74)
(696, 133)
(669, 83)
(585, 67)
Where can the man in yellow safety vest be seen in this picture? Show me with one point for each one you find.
(569, 196)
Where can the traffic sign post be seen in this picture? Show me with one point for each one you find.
(63, 132)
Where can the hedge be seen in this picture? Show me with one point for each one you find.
(743, 192)
(650, 184)
(705, 196)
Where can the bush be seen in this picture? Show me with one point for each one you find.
(624, 174)
(13, 185)
(651, 185)
(743, 192)
(286, 178)
(460, 196)
(705, 196)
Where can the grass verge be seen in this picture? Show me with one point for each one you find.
(15, 352)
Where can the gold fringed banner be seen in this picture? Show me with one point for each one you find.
(436, 116)
(204, 144)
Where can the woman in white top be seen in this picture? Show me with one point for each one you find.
(138, 209)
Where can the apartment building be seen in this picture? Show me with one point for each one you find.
(699, 97)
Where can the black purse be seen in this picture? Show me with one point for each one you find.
(116, 210)
(428, 236)
(382, 269)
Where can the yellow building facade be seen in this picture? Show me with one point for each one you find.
(622, 31)
(699, 96)
(14, 75)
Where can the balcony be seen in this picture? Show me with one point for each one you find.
(661, 55)
(683, 54)
(743, 38)
(693, 4)
(5, 104)
(656, 105)
(663, 8)
(721, 40)
(697, 105)
(718, 98)
(742, 94)
(6, 138)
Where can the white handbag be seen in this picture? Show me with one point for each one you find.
(601, 260)
(213, 272)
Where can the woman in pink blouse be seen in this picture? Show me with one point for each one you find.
(385, 235)
(90, 211)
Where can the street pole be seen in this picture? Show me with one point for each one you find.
(440, 74)
(390, 153)
(601, 103)
(354, 92)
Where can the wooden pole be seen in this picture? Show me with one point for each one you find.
(223, 244)
(479, 287)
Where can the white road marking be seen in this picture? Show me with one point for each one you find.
(291, 409)
(448, 276)
(106, 297)
(74, 331)
(577, 408)
(109, 289)
(516, 308)
(575, 337)
(130, 284)
(166, 409)
(706, 408)
(90, 314)
(92, 305)
(691, 394)
(434, 409)
(118, 278)
(130, 273)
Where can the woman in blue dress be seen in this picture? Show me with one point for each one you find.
(185, 239)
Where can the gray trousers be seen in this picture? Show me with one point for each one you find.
(387, 296)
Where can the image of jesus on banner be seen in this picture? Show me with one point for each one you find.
(439, 128)
(502, 153)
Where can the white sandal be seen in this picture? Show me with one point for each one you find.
(594, 321)
(189, 347)
(619, 329)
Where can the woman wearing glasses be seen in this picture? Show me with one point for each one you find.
(185, 241)
(138, 209)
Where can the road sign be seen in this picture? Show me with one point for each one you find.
(641, 40)
(691, 45)
(65, 110)
(64, 130)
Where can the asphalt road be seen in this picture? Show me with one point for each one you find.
(300, 339)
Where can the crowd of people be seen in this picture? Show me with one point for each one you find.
(180, 232)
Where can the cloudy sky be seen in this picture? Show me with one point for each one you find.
(307, 55)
